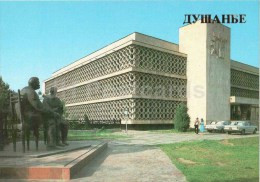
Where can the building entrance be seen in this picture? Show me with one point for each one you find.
(244, 112)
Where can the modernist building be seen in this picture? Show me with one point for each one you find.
(150, 77)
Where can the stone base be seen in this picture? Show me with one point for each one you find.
(58, 164)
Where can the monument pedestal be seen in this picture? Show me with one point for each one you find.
(43, 164)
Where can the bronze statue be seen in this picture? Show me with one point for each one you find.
(57, 127)
(33, 110)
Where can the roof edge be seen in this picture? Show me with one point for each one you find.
(130, 37)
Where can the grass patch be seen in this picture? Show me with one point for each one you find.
(75, 135)
(233, 160)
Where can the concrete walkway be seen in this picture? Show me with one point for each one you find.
(130, 163)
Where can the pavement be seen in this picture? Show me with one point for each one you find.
(130, 163)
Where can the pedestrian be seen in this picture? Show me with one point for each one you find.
(196, 125)
(202, 128)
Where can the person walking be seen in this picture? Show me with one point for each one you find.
(202, 128)
(196, 125)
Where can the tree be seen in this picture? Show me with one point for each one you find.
(4, 95)
(87, 122)
(181, 119)
(4, 103)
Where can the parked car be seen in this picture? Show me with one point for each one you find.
(217, 126)
(242, 127)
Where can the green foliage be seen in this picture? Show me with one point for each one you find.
(211, 161)
(181, 119)
(87, 122)
(75, 135)
(4, 95)
(77, 125)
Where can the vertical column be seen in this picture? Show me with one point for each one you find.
(218, 72)
(192, 41)
(208, 70)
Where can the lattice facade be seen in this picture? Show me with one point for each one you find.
(131, 83)
(244, 93)
(244, 84)
(139, 109)
(158, 61)
(130, 56)
(244, 79)
(116, 61)
(111, 87)
(147, 96)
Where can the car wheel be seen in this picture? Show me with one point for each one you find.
(222, 131)
(229, 132)
(254, 131)
(243, 132)
(210, 131)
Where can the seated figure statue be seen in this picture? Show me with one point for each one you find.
(57, 127)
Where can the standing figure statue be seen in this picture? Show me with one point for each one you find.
(33, 110)
(57, 127)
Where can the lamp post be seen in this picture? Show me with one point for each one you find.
(1, 132)
(126, 114)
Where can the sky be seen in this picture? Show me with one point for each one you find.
(38, 38)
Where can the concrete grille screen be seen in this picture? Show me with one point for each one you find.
(149, 83)
(244, 84)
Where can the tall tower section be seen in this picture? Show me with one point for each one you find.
(208, 70)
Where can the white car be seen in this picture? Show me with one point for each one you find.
(217, 126)
(242, 127)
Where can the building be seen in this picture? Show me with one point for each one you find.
(149, 78)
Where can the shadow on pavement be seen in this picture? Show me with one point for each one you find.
(95, 164)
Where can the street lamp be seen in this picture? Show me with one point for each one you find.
(126, 114)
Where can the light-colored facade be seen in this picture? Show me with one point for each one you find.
(150, 77)
(208, 69)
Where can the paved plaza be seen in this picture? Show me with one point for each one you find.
(130, 163)
(138, 158)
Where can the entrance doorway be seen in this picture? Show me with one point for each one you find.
(244, 112)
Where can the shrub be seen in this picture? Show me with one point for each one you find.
(182, 119)
(87, 122)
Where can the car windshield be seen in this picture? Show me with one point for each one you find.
(220, 123)
(240, 124)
